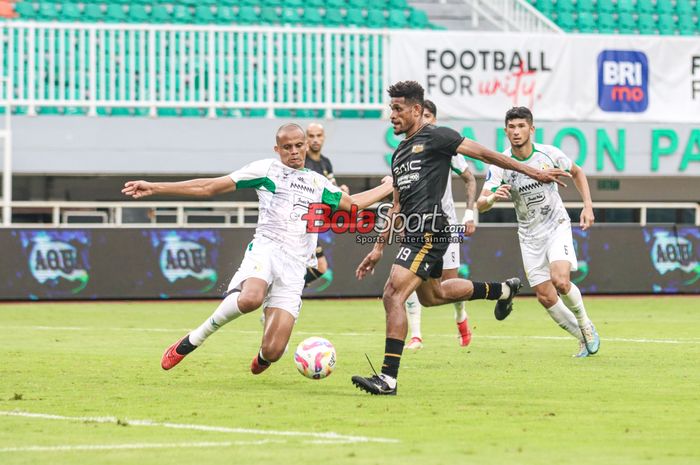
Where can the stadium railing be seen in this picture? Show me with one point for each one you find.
(66, 214)
(151, 68)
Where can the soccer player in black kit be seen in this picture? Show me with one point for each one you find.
(420, 167)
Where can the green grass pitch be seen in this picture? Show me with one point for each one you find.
(81, 383)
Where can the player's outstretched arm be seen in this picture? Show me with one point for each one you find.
(203, 187)
(475, 150)
(470, 187)
(370, 261)
(366, 198)
(488, 198)
(581, 183)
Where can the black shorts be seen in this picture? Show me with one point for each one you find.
(422, 254)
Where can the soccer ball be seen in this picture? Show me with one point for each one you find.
(315, 357)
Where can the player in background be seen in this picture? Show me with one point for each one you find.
(420, 167)
(450, 265)
(544, 226)
(272, 271)
(316, 161)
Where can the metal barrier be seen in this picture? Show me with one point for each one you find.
(152, 66)
(228, 214)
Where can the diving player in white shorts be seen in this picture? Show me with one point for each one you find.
(544, 227)
(450, 261)
(273, 269)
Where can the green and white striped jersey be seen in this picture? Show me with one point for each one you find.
(538, 206)
(285, 194)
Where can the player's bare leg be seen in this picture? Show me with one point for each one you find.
(278, 328)
(560, 271)
(234, 304)
(465, 334)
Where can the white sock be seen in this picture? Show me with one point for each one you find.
(225, 312)
(460, 313)
(505, 291)
(413, 309)
(388, 380)
(565, 319)
(574, 301)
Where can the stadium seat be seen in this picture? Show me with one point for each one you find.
(665, 7)
(224, 15)
(354, 17)
(160, 14)
(584, 6)
(646, 24)
(312, 16)
(397, 19)
(47, 12)
(93, 12)
(314, 3)
(268, 15)
(625, 6)
(397, 4)
(336, 4)
(565, 6)
(290, 16)
(626, 24)
(115, 13)
(376, 19)
(334, 17)
(26, 10)
(137, 14)
(646, 6)
(666, 24)
(606, 23)
(545, 6)
(203, 14)
(586, 22)
(566, 21)
(418, 19)
(70, 12)
(686, 25)
(683, 7)
(247, 15)
(606, 6)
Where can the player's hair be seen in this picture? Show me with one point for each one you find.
(288, 126)
(430, 106)
(519, 113)
(410, 90)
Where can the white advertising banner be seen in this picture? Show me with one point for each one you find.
(560, 77)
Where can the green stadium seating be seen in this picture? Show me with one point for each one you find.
(115, 13)
(225, 15)
(626, 24)
(354, 17)
(606, 23)
(312, 16)
(565, 6)
(203, 14)
(586, 22)
(418, 19)
(666, 24)
(336, 4)
(625, 6)
(397, 19)
(314, 3)
(684, 7)
(247, 15)
(334, 17)
(47, 12)
(160, 14)
(93, 13)
(70, 12)
(26, 10)
(268, 15)
(665, 7)
(375, 18)
(584, 6)
(398, 4)
(545, 6)
(566, 21)
(686, 25)
(646, 6)
(290, 16)
(646, 24)
(138, 14)
(606, 6)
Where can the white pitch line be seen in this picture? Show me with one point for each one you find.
(691, 341)
(145, 445)
(218, 429)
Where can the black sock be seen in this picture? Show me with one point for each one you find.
(393, 348)
(185, 346)
(262, 362)
(312, 274)
(489, 291)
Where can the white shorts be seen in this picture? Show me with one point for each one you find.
(450, 260)
(283, 273)
(537, 256)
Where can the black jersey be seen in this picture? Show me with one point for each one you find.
(323, 166)
(421, 166)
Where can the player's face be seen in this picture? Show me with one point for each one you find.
(519, 132)
(428, 117)
(315, 137)
(291, 147)
(403, 115)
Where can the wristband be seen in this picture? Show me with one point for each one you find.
(468, 216)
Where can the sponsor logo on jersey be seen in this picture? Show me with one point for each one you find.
(623, 81)
(418, 148)
(301, 187)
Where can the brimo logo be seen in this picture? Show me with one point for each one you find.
(320, 218)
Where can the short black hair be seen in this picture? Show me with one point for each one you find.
(410, 90)
(519, 113)
(430, 106)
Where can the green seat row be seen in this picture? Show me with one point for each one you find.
(680, 7)
(644, 23)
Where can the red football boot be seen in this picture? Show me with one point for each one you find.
(171, 357)
(465, 334)
(256, 368)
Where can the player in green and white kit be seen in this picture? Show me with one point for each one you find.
(450, 261)
(544, 227)
(272, 271)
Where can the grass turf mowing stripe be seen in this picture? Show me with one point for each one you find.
(92, 447)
